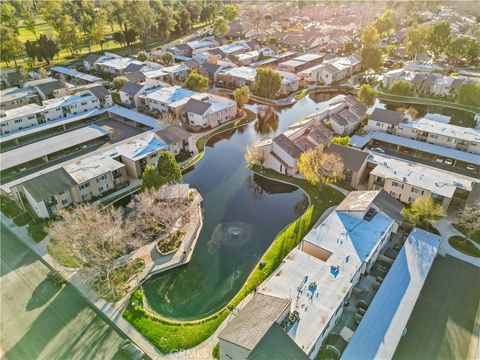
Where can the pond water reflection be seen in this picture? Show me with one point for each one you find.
(243, 213)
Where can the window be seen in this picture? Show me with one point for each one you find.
(417, 191)
(100, 178)
(433, 137)
(18, 121)
(84, 186)
(86, 196)
(64, 201)
(84, 103)
(393, 194)
(379, 123)
(396, 184)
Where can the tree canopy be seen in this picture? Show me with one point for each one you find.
(221, 27)
(469, 94)
(242, 95)
(400, 87)
(366, 95)
(168, 169)
(319, 167)
(196, 82)
(268, 82)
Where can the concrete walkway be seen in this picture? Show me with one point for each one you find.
(444, 226)
(340, 189)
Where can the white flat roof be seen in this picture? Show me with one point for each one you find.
(350, 239)
(25, 110)
(381, 328)
(435, 180)
(135, 116)
(426, 147)
(453, 131)
(297, 271)
(172, 96)
(76, 74)
(138, 147)
(51, 145)
(90, 167)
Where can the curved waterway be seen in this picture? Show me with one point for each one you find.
(243, 213)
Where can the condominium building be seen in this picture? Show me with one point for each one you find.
(301, 302)
(33, 114)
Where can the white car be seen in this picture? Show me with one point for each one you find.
(471, 167)
(377, 149)
(448, 161)
(131, 350)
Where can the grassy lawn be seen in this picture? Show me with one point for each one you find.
(36, 227)
(425, 101)
(168, 335)
(464, 246)
(65, 57)
(475, 237)
(200, 144)
(442, 324)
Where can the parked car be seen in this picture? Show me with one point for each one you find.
(131, 350)
(439, 159)
(471, 167)
(448, 161)
(377, 149)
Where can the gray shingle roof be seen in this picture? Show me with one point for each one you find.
(276, 344)
(99, 91)
(48, 88)
(135, 77)
(173, 133)
(131, 88)
(51, 183)
(288, 145)
(196, 107)
(387, 116)
(92, 58)
(254, 320)
(353, 159)
(211, 68)
(390, 205)
(133, 67)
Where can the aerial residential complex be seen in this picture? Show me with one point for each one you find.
(202, 179)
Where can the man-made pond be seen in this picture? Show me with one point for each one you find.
(243, 213)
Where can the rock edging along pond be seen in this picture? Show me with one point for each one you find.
(168, 335)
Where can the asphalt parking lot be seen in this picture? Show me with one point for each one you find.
(40, 320)
(120, 130)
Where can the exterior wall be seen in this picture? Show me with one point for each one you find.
(290, 161)
(229, 351)
(126, 99)
(474, 147)
(197, 120)
(222, 116)
(337, 128)
(38, 207)
(406, 193)
(376, 126)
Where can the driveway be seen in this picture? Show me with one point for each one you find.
(42, 321)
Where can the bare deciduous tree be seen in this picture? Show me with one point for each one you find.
(154, 212)
(255, 155)
(168, 118)
(94, 238)
(469, 219)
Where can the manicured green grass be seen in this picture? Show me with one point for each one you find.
(464, 246)
(168, 335)
(65, 57)
(426, 101)
(475, 236)
(300, 95)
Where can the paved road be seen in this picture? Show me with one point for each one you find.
(41, 321)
